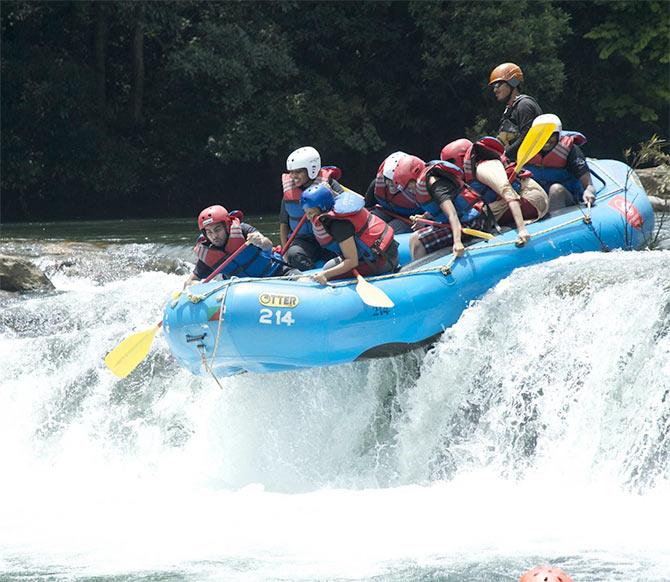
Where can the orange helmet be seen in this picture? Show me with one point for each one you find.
(508, 72)
(545, 574)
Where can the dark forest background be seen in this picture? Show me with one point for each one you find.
(155, 109)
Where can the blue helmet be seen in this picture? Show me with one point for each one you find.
(318, 196)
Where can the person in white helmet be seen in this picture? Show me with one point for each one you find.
(561, 167)
(385, 199)
(303, 169)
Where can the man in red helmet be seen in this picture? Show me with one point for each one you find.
(520, 109)
(221, 235)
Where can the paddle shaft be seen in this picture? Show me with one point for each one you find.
(465, 229)
(225, 263)
(290, 240)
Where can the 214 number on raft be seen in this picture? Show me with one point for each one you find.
(276, 317)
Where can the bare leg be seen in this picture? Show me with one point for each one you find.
(559, 197)
(492, 174)
(416, 249)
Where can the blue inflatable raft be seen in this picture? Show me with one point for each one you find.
(268, 325)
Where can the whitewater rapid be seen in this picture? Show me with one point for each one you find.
(536, 430)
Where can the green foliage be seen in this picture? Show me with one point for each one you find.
(633, 39)
(637, 31)
(230, 88)
(648, 153)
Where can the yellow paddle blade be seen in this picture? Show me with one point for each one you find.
(477, 233)
(125, 357)
(534, 141)
(371, 295)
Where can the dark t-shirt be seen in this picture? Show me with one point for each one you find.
(202, 270)
(370, 198)
(283, 215)
(339, 229)
(577, 164)
(442, 188)
(521, 115)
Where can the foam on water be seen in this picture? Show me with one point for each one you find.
(537, 429)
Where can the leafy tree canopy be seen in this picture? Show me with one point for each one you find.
(135, 108)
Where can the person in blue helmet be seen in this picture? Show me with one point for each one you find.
(342, 224)
(561, 167)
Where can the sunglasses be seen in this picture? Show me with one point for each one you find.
(497, 84)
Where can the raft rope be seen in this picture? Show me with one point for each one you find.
(222, 311)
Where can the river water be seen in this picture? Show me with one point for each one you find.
(537, 430)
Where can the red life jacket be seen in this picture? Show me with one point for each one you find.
(292, 193)
(292, 198)
(557, 157)
(401, 202)
(372, 235)
(422, 195)
(322, 236)
(251, 262)
(211, 255)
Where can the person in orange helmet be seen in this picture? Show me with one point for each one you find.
(545, 574)
(520, 109)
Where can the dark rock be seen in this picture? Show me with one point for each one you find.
(17, 274)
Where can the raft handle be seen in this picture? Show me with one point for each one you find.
(595, 175)
(195, 338)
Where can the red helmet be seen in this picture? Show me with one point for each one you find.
(455, 151)
(545, 574)
(408, 168)
(508, 72)
(212, 215)
(491, 144)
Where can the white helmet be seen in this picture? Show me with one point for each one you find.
(390, 163)
(307, 158)
(549, 118)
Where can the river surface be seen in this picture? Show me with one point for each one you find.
(536, 430)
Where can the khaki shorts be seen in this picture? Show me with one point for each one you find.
(534, 203)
